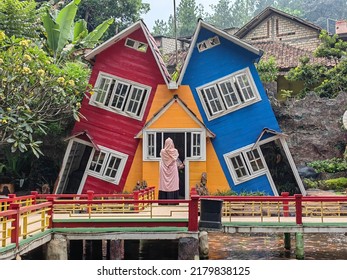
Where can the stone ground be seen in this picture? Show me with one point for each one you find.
(318, 192)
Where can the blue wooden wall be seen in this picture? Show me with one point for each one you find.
(241, 127)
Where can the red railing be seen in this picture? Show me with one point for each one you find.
(14, 223)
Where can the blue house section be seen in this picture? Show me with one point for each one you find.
(238, 128)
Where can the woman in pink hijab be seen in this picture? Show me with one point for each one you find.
(168, 181)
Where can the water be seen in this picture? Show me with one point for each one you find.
(238, 246)
(232, 246)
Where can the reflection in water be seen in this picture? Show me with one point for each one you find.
(244, 246)
(231, 246)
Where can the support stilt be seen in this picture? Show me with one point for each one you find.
(287, 241)
(299, 241)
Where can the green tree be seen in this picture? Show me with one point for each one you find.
(20, 18)
(124, 12)
(332, 47)
(268, 70)
(242, 11)
(222, 16)
(65, 36)
(310, 74)
(327, 82)
(188, 14)
(34, 91)
(160, 28)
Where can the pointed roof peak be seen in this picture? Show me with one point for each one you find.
(124, 33)
(202, 24)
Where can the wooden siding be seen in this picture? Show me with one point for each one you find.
(176, 117)
(100, 186)
(239, 128)
(110, 129)
(136, 171)
(216, 179)
(164, 95)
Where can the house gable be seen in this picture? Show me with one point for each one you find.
(274, 25)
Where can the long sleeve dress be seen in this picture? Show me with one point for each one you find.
(169, 180)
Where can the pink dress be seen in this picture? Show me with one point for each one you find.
(169, 180)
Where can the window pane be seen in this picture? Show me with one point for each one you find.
(212, 99)
(255, 160)
(245, 87)
(112, 166)
(130, 43)
(239, 166)
(102, 90)
(229, 94)
(196, 144)
(97, 161)
(119, 96)
(151, 145)
(214, 41)
(134, 100)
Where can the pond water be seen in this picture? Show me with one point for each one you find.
(230, 246)
(236, 246)
(271, 246)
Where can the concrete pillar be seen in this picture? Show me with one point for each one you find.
(299, 250)
(203, 245)
(56, 249)
(287, 241)
(116, 249)
(188, 248)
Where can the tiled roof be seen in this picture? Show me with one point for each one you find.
(157, 54)
(288, 56)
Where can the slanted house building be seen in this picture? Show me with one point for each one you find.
(217, 114)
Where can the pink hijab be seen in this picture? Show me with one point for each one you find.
(169, 153)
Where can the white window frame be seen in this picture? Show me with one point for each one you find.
(194, 146)
(246, 163)
(246, 94)
(137, 45)
(208, 43)
(106, 163)
(147, 157)
(106, 101)
(151, 147)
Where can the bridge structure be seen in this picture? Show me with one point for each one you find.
(28, 222)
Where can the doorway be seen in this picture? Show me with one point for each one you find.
(179, 139)
(279, 168)
(74, 168)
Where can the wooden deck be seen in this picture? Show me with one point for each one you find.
(27, 222)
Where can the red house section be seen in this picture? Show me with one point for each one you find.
(110, 129)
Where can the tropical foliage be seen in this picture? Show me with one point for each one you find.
(34, 91)
(64, 35)
(20, 18)
(124, 12)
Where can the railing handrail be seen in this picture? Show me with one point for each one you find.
(15, 206)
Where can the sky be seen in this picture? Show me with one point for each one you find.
(161, 9)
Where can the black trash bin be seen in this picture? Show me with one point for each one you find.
(210, 213)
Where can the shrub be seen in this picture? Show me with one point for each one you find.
(233, 193)
(329, 165)
(338, 184)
